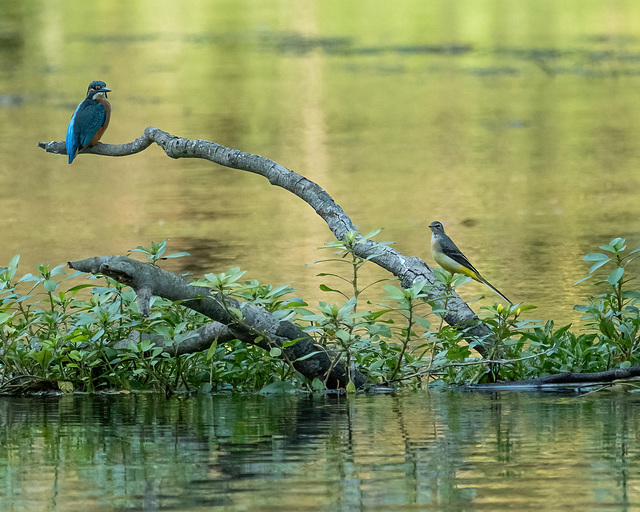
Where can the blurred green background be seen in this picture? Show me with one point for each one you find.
(513, 122)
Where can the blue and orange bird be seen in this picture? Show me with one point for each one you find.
(90, 120)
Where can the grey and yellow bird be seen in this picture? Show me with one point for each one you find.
(450, 258)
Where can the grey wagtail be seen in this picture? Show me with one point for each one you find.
(450, 258)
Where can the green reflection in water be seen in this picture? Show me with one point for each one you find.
(465, 451)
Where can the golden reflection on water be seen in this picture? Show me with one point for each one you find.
(514, 123)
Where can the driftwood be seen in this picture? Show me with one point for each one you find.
(408, 269)
(257, 324)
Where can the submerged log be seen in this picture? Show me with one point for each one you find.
(562, 381)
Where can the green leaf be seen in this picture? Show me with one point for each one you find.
(212, 350)
(289, 343)
(311, 318)
(140, 249)
(343, 336)
(12, 268)
(4, 317)
(14, 261)
(423, 322)
(597, 265)
(616, 245)
(280, 291)
(581, 280)
(615, 276)
(177, 255)
(157, 250)
(325, 288)
(562, 330)
(28, 278)
(351, 387)
(371, 234)
(80, 287)
(50, 285)
(317, 384)
(59, 270)
(393, 292)
(179, 338)
(236, 312)
(75, 355)
(65, 386)
(275, 352)
(607, 328)
(596, 256)
(203, 284)
(375, 315)
(307, 356)
(376, 365)
(348, 306)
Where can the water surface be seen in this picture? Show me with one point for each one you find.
(514, 123)
(414, 451)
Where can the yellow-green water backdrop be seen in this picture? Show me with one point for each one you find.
(513, 122)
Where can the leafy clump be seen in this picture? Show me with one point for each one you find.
(56, 333)
(613, 314)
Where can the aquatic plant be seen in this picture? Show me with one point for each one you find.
(93, 336)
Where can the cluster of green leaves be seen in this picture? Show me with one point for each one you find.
(405, 340)
(401, 341)
(88, 337)
(613, 314)
(611, 338)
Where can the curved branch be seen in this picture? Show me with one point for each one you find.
(200, 339)
(130, 148)
(408, 269)
(257, 326)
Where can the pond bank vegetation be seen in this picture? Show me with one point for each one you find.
(144, 328)
(103, 336)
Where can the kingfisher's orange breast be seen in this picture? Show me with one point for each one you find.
(107, 106)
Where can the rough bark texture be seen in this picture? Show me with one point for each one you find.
(257, 327)
(408, 269)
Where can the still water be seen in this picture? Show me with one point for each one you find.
(516, 123)
(414, 451)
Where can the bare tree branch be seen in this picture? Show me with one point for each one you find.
(256, 326)
(200, 339)
(408, 269)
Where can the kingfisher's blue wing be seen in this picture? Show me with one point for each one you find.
(84, 124)
(72, 143)
(89, 117)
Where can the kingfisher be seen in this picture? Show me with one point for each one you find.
(90, 119)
